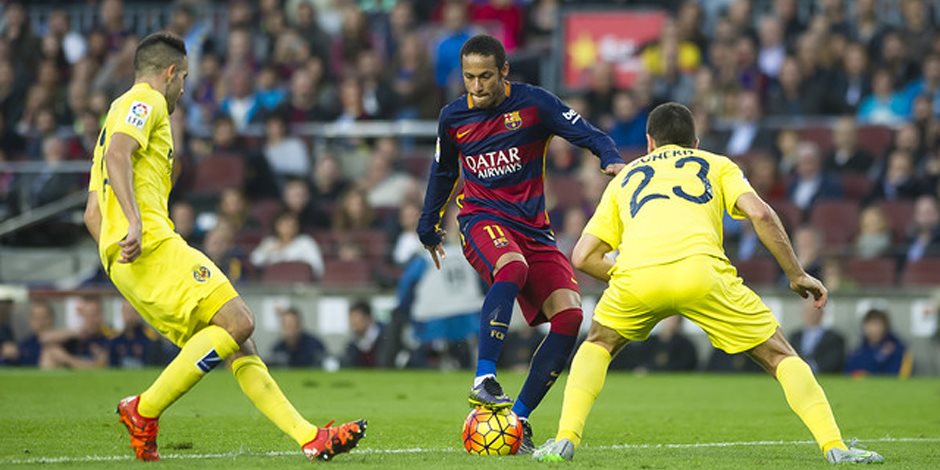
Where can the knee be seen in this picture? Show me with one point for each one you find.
(567, 322)
(515, 271)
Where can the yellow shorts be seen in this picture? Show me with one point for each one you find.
(174, 287)
(704, 289)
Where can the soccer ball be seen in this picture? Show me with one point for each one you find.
(492, 432)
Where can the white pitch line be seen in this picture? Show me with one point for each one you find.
(424, 450)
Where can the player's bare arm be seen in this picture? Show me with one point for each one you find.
(92, 216)
(590, 257)
(770, 230)
(121, 179)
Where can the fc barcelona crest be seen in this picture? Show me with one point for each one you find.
(500, 242)
(512, 120)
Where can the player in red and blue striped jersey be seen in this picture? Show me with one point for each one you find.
(497, 136)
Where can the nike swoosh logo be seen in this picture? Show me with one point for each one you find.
(554, 374)
(460, 135)
(499, 323)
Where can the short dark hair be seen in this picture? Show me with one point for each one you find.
(158, 51)
(487, 46)
(878, 315)
(362, 307)
(671, 124)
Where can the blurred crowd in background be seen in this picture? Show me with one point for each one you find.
(93, 344)
(830, 106)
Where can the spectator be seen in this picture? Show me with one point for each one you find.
(506, 15)
(184, 221)
(329, 184)
(808, 245)
(287, 245)
(296, 199)
(810, 181)
(407, 244)
(378, 98)
(219, 246)
(772, 48)
(600, 94)
(881, 352)
(629, 128)
(412, 78)
(305, 23)
(286, 155)
(233, 209)
(671, 51)
(793, 97)
(896, 58)
(447, 51)
(865, 25)
(883, 105)
(874, 234)
(367, 338)
(924, 238)
(241, 104)
(387, 187)
(135, 346)
(9, 353)
(746, 132)
(898, 181)
(847, 157)
(355, 36)
(763, 176)
(296, 347)
(23, 46)
(268, 93)
(669, 350)
(84, 348)
(928, 84)
(71, 43)
(850, 83)
(41, 320)
(821, 347)
(303, 104)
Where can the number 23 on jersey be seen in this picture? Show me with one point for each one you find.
(647, 173)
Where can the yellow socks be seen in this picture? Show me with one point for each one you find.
(809, 402)
(585, 381)
(258, 385)
(205, 350)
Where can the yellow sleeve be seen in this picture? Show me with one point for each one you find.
(605, 224)
(136, 116)
(733, 184)
(94, 179)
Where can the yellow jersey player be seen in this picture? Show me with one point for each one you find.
(176, 288)
(663, 213)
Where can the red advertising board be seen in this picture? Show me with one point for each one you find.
(617, 37)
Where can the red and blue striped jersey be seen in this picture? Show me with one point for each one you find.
(501, 152)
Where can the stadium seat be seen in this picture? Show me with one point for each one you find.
(875, 139)
(837, 219)
(373, 243)
(925, 272)
(566, 191)
(347, 273)
(789, 213)
(821, 136)
(248, 238)
(287, 273)
(856, 186)
(758, 271)
(265, 210)
(217, 172)
(877, 272)
(899, 213)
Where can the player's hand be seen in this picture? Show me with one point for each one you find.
(437, 251)
(613, 169)
(806, 285)
(130, 245)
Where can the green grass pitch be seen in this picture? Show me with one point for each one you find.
(642, 422)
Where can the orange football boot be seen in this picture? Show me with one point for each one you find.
(143, 431)
(332, 441)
